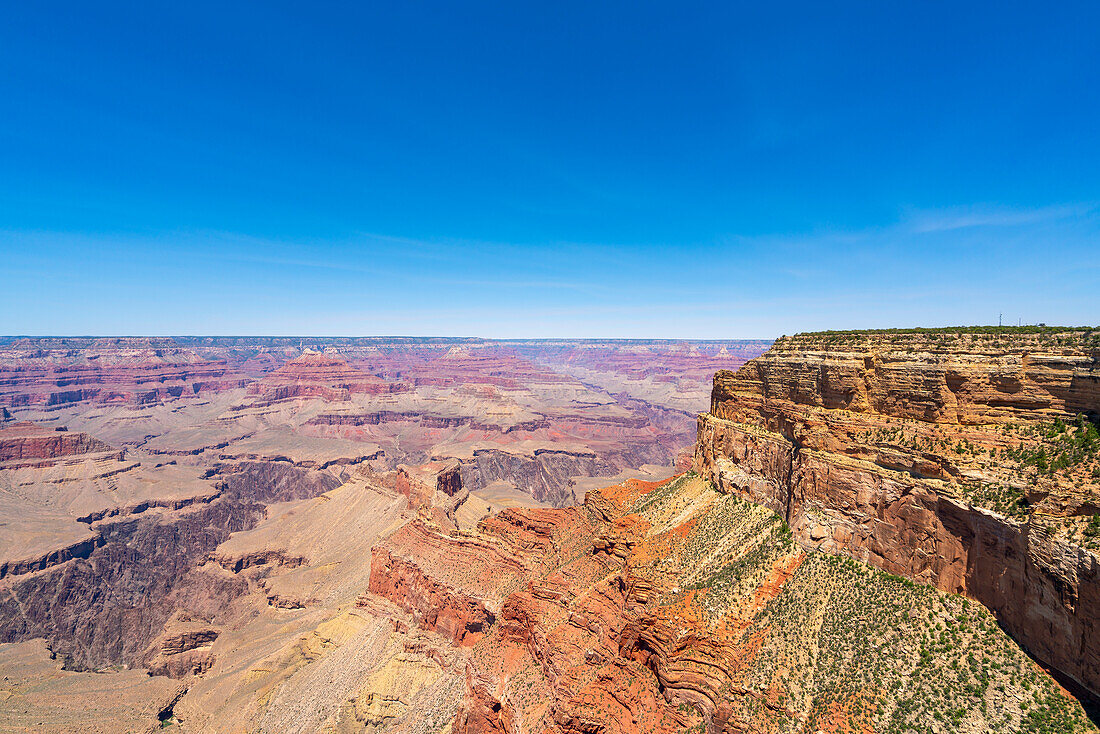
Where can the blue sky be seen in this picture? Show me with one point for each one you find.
(634, 169)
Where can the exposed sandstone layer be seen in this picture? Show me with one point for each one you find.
(318, 375)
(942, 378)
(892, 447)
(25, 444)
(665, 607)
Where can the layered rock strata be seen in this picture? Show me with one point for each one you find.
(665, 607)
(102, 601)
(897, 449)
(24, 444)
(318, 375)
(53, 373)
(511, 412)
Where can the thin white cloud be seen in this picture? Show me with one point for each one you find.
(985, 216)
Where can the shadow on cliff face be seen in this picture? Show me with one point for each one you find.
(1088, 700)
(105, 609)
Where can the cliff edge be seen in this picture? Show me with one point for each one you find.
(966, 459)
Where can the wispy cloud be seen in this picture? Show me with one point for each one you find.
(944, 220)
(741, 284)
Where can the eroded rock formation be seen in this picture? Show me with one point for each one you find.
(102, 601)
(319, 375)
(898, 450)
(25, 444)
(510, 411)
(293, 576)
(664, 607)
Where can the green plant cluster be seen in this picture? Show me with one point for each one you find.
(1005, 499)
(1085, 337)
(901, 658)
(1064, 446)
(733, 541)
(922, 442)
(934, 330)
(662, 494)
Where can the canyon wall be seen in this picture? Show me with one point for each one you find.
(898, 449)
(671, 607)
(103, 600)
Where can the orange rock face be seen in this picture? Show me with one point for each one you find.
(420, 483)
(660, 607)
(888, 448)
(297, 588)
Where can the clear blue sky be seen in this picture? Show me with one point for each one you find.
(559, 169)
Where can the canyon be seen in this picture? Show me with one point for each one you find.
(512, 412)
(126, 462)
(866, 531)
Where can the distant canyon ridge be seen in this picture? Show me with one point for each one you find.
(530, 415)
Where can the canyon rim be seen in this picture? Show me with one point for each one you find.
(867, 531)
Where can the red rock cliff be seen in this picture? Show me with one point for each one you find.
(900, 449)
(26, 443)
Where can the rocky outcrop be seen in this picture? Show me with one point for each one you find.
(317, 375)
(79, 549)
(544, 475)
(665, 607)
(421, 483)
(182, 648)
(459, 617)
(148, 564)
(453, 584)
(941, 377)
(29, 444)
(382, 596)
(883, 447)
(273, 481)
(547, 474)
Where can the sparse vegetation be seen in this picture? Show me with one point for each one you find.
(906, 657)
(1061, 446)
(936, 330)
(952, 336)
(857, 648)
(662, 493)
